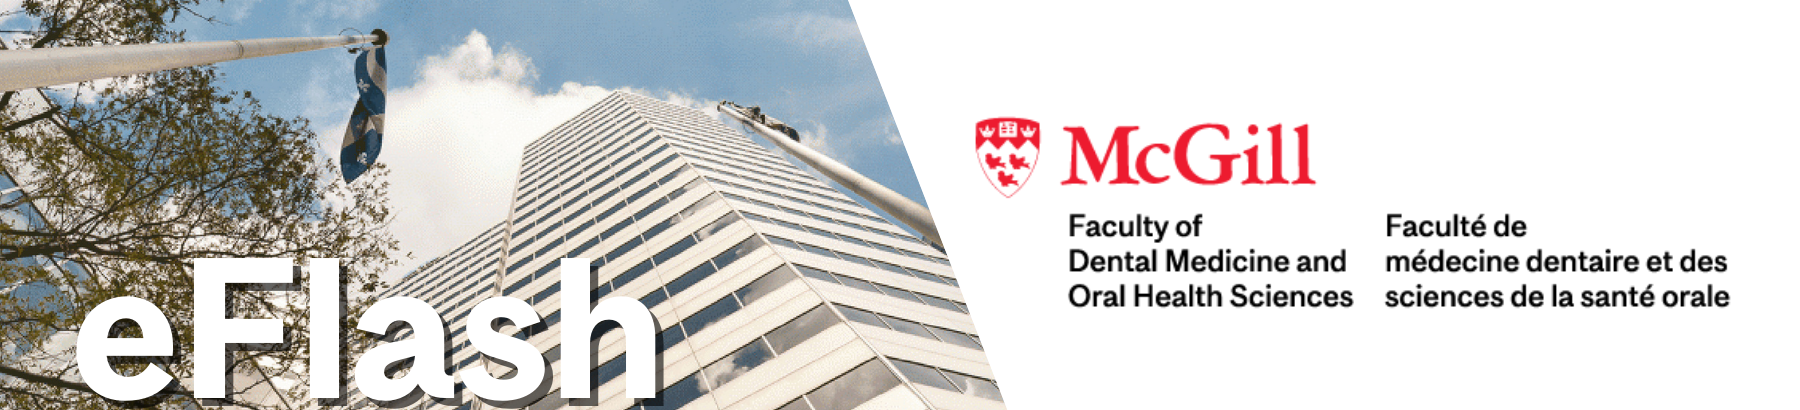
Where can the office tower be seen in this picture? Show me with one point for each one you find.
(771, 290)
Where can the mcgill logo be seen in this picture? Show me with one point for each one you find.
(1007, 150)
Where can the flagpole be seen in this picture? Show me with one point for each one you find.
(43, 67)
(908, 212)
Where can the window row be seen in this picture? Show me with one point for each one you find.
(840, 209)
(538, 189)
(726, 140)
(543, 325)
(675, 114)
(537, 171)
(459, 286)
(849, 390)
(633, 273)
(470, 297)
(592, 195)
(767, 347)
(628, 220)
(911, 327)
(785, 173)
(444, 310)
(698, 272)
(817, 217)
(462, 279)
(809, 194)
(708, 378)
(878, 288)
(648, 233)
(616, 134)
(520, 259)
(816, 250)
(466, 299)
(735, 364)
(534, 192)
(558, 137)
(458, 257)
(454, 259)
(642, 215)
(605, 287)
(699, 151)
(948, 380)
(591, 200)
(731, 303)
(565, 135)
(779, 340)
(748, 152)
(464, 364)
(850, 239)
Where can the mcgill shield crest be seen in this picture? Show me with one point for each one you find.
(1007, 150)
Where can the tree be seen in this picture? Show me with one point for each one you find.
(138, 178)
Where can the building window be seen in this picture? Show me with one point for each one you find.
(948, 380)
(850, 390)
(903, 294)
(910, 327)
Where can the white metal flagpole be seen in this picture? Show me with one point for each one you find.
(43, 67)
(908, 212)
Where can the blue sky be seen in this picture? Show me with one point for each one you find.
(472, 82)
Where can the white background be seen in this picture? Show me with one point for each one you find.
(1630, 126)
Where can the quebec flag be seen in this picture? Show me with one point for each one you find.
(362, 141)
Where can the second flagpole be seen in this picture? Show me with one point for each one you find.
(33, 68)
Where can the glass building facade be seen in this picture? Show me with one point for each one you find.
(771, 289)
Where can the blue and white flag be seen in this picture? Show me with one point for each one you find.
(362, 141)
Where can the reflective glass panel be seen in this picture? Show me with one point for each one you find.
(910, 327)
(815, 273)
(897, 292)
(858, 283)
(925, 375)
(673, 250)
(939, 302)
(693, 276)
(975, 386)
(739, 362)
(607, 371)
(669, 337)
(765, 285)
(862, 316)
(711, 314)
(854, 388)
(736, 252)
(801, 328)
(955, 337)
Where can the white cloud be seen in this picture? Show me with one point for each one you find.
(476, 61)
(240, 9)
(811, 30)
(886, 131)
(819, 139)
(9, 10)
(91, 94)
(453, 142)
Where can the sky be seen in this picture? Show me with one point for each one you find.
(470, 83)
